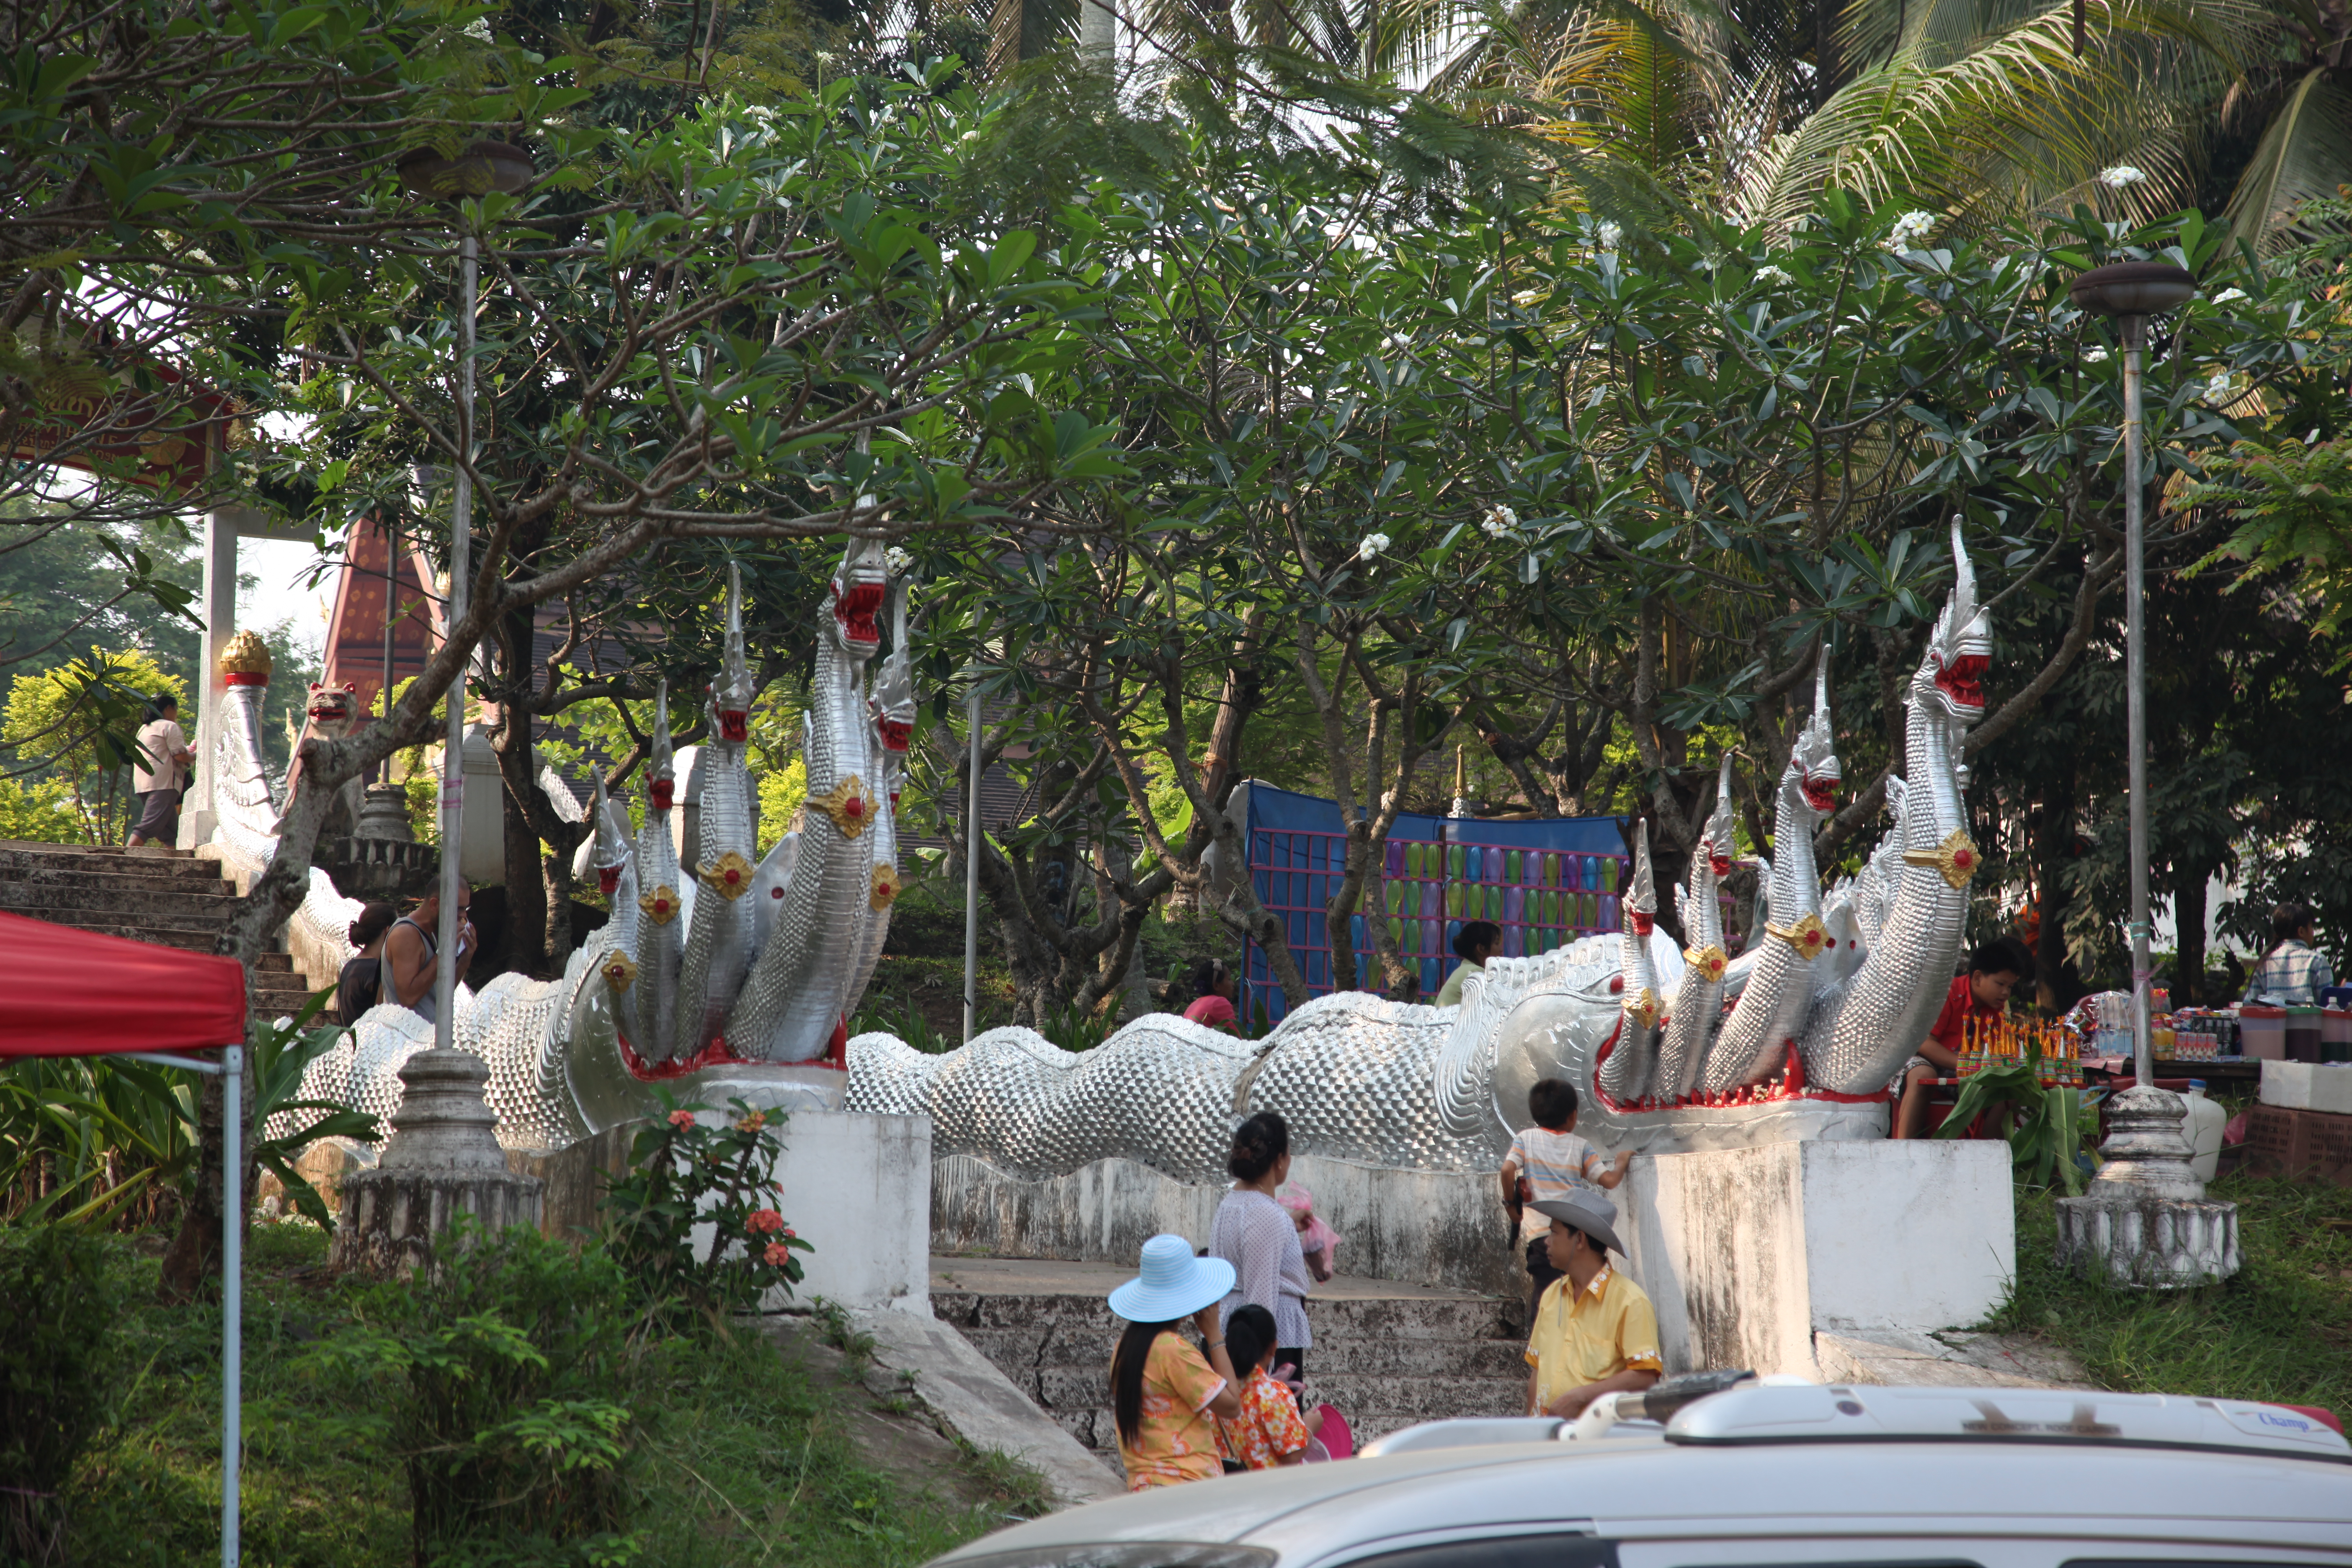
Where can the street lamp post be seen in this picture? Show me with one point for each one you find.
(2147, 1220)
(483, 167)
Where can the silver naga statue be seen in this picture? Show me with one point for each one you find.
(725, 970)
(1824, 1010)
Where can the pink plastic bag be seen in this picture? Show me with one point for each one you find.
(1335, 1441)
(1317, 1240)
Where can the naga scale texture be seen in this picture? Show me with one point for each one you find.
(1826, 1007)
(706, 974)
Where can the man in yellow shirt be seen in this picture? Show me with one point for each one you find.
(1595, 1332)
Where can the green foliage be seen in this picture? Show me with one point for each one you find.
(738, 1456)
(2272, 1332)
(781, 795)
(1077, 1029)
(683, 1173)
(285, 1124)
(60, 1361)
(2291, 501)
(38, 811)
(80, 720)
(2050, 1128)
(908, 1022)
(93, 1140)
(504, 1380)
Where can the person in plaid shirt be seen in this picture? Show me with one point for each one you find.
(2293, 973)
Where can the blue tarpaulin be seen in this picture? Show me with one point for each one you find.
(1545, 881)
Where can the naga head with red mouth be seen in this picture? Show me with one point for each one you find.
(1814, 760)
(333, 708)
(731, 693)
(1720, 842)
(612, 852)
(661, 762)
(859, 587)
(1960, 650)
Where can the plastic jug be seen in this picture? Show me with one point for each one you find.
(2202, 1127)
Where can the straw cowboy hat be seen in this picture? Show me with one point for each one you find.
(1173, 1284)
(1591, 1213)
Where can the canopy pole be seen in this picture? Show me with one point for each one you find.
(232, 1293)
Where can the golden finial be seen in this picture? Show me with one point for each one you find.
(246, 654)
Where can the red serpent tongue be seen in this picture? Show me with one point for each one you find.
(855, 612)
(1963, 680)
(734, 724)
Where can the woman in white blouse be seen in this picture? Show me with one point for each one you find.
(1259, 1238)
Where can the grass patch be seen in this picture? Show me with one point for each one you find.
(2280, 1330)
(749, 1461)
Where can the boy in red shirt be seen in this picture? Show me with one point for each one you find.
(1995, 970)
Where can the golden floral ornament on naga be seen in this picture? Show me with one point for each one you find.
(886, 888)
(619, 973)
(849, 805)
(245, 661)
(1808, 936)
(1710, 960)
(660, 905)
(1958, 858)
(1643, 1006)
(730, 876)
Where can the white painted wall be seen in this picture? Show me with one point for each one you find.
(1747, 1253)
(857, 1188)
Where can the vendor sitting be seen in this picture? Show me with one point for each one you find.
(1475, 943)
(1995, 970)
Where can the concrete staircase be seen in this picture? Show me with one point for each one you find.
(163, 896)
(1387, 1355)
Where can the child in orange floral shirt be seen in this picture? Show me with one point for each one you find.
(1268, 1431)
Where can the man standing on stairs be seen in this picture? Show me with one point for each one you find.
(409, 951)
(159, 774)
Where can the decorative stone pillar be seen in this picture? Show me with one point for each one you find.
(2147, 1221)
(442, 1160)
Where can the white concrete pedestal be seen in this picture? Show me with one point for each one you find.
(857, 1188)
(1747, 1253)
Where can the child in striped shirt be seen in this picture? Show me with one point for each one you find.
(1545, 1161)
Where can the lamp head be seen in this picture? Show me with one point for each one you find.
(2133, 289)
(481, 168)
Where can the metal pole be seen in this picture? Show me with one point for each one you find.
(2135, 699)
(453, 760)
(971, 876)
(232, 1294)
(391, 612)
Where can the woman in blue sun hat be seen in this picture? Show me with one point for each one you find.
(1163, 1390)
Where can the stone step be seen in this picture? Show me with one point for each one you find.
(1421, 1357)
(1440, 1317)
(165, 905)
(177, 932)
(29, 872)
(84, 857)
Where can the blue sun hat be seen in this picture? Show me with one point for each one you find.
(1173, 1284)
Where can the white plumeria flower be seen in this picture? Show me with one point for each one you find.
(2217, 389)
(2095, 356)
(1909, 229)
(2229, 296)
(2121, 175)
(1500, 520)
(1524, 297)
(1610, 235)
(898, 561)
(1773, 275)
(1373, 544)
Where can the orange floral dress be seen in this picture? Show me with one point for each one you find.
(1268, 1430)
(1176, 1441)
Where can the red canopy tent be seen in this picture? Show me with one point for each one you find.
(67, 993)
